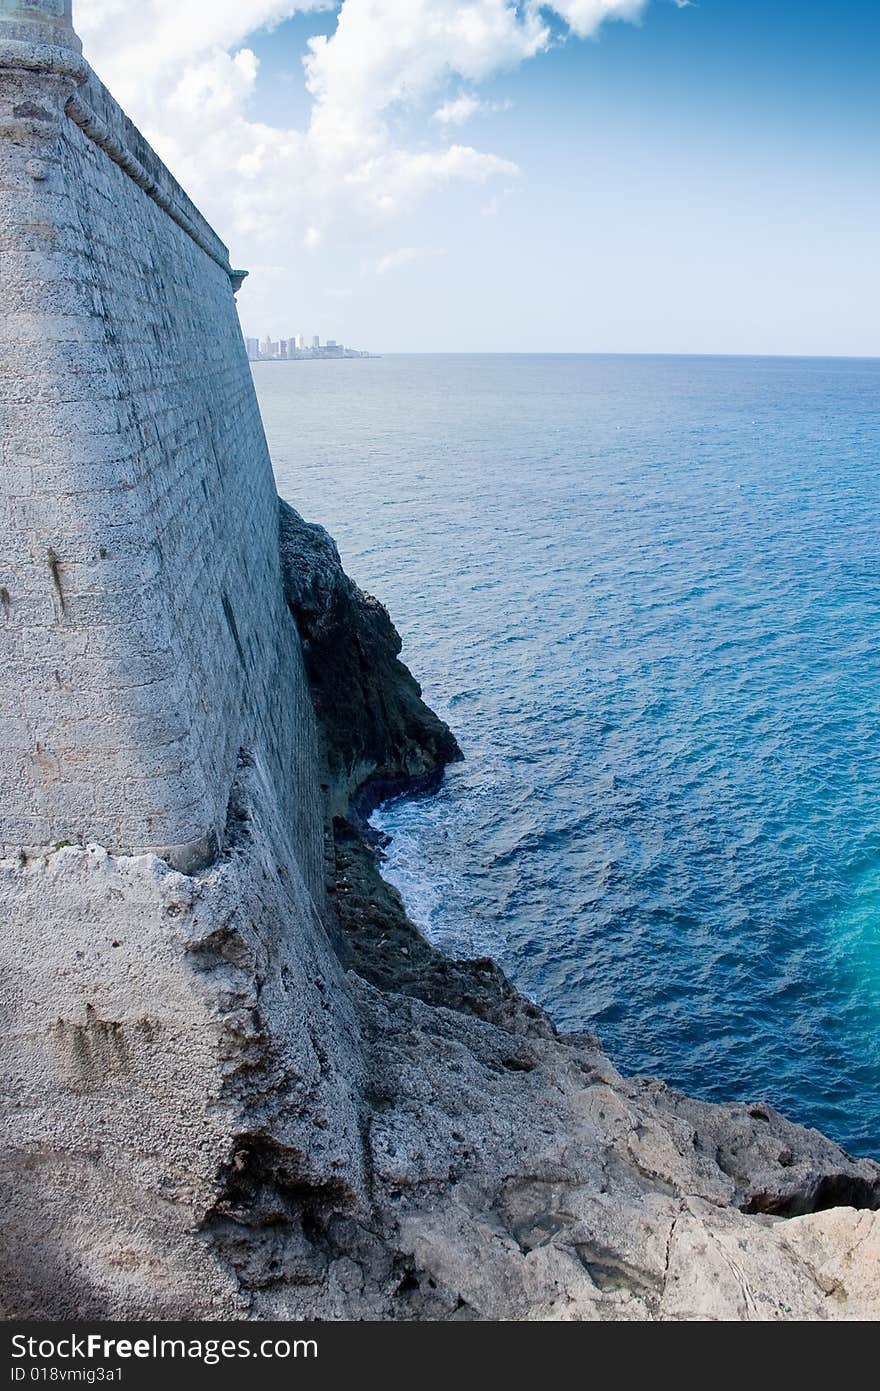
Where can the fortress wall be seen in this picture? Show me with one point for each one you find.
(173, 1023)
(143, 631)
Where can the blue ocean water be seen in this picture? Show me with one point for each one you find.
(645, 592)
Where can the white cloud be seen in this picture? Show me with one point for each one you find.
(184, 72)
(137, 42)
(584, 17)
(458, 110)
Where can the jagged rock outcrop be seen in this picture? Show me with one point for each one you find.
(379, 736)
(524, 1178)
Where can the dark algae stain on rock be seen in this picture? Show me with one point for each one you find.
(388, 950)
(380, 737)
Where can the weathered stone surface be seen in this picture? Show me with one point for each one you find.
(208, 1118)
(46, 22)
(145, 635)
(159, 1033)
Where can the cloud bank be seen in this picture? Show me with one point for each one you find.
(186, 75)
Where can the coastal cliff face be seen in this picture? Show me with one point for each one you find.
(513, 1172)
(236, 1081)
(378, 735)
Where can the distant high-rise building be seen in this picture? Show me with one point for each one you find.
(285, 349)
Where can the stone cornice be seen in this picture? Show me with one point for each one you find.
(64, 62)
(46, 58)
(98, 133)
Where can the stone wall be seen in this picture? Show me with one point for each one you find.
(172, 1014)
(145, 640)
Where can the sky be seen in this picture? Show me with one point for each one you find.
(670, 176)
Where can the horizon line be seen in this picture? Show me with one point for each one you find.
(594, 352)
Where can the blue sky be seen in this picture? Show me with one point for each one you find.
(703, 180)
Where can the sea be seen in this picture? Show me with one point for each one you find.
(645, 594)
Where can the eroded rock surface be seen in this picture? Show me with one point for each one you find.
(525, 1178)
(379, 735)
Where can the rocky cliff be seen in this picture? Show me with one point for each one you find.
(378, 735)
(510, 1172)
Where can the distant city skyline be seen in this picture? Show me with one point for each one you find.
(477, 175)
(269, 349)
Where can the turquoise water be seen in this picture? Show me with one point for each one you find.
(645, 592)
